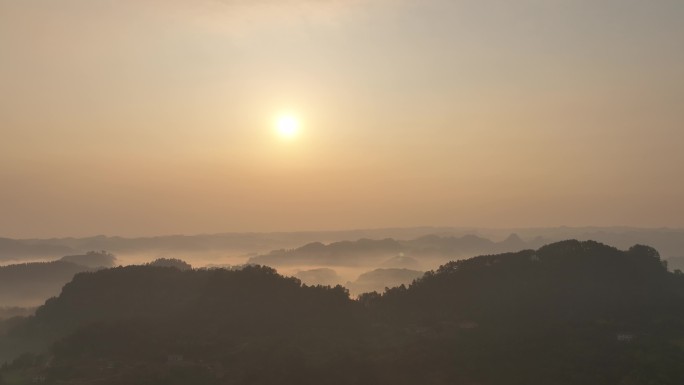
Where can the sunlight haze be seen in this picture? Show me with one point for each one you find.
(161, 117)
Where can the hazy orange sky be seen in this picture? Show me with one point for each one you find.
(140, 117)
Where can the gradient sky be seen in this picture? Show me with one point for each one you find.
(141, 117)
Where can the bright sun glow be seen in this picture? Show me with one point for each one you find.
(287, 126)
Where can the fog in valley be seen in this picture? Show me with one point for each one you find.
(360, 265)
(341, 192)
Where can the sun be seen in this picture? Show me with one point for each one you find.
(287, 126)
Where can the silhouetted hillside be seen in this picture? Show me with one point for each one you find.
(669, 242)
(210, 304)
(366, 252)
(92, 259)
(12, 249)
(568, 313)
(30, 284)
(345, 253)
(171, 262)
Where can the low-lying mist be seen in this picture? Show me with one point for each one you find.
(31, 271)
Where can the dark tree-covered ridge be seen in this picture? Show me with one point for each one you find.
(568, 313)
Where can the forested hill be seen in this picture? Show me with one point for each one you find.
(568, 313)
(562, 282)
(29, 284)
(368, 251)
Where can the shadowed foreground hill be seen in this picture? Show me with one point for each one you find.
(568, 313)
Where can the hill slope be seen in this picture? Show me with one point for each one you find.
(30, 284)
(568, 313)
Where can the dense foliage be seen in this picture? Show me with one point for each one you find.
(568, 313)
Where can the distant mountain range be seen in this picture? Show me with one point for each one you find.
(241, 243)
(670, 242)
(366, 252)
